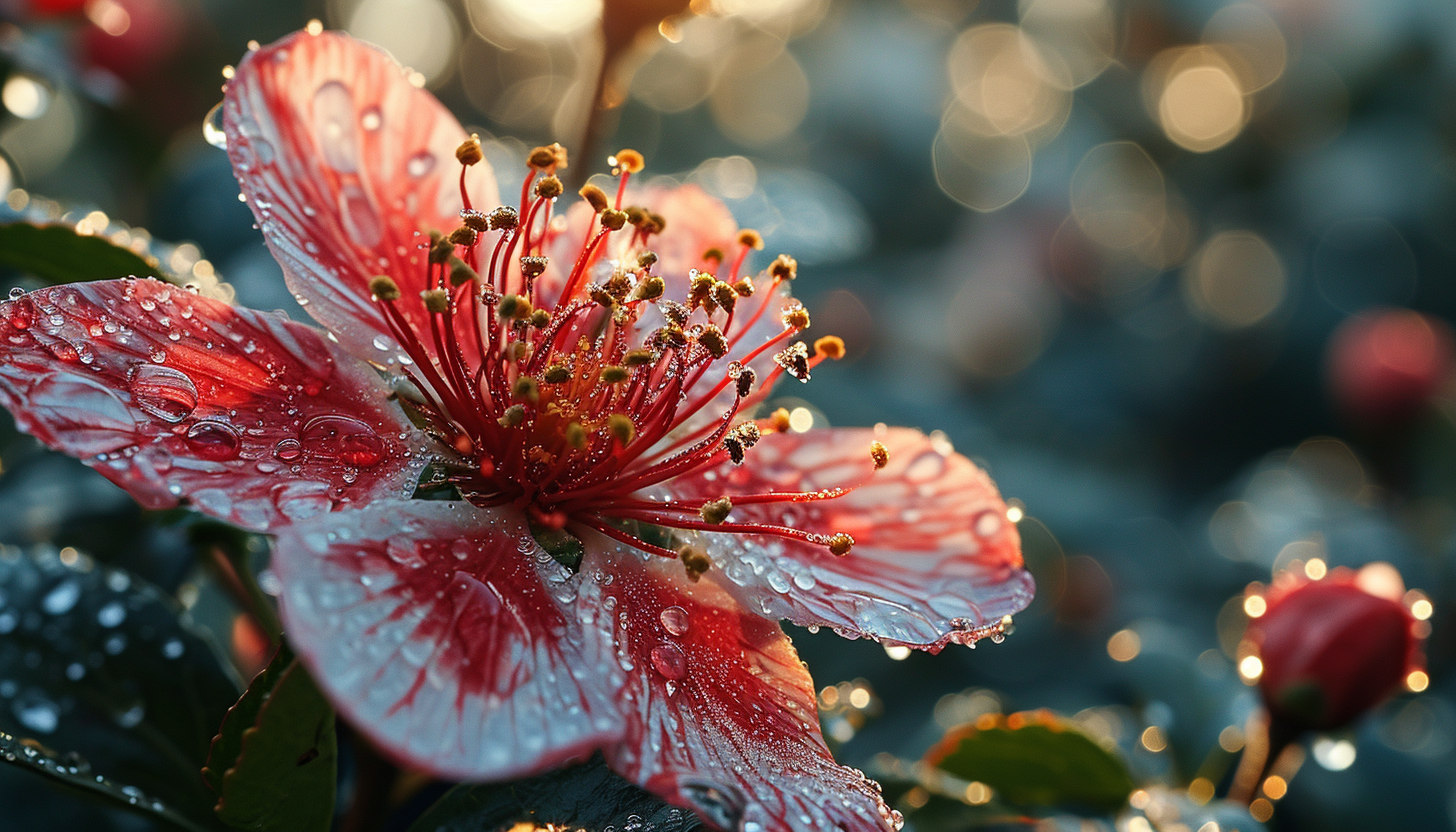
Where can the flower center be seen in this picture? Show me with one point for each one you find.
(566, 398)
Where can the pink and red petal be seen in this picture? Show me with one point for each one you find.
(447, 635)
(720, 712)
(347, 167)
(935, 559)
(249, 417)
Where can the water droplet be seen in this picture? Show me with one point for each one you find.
(675, 621)
(111, 615)
(370, 119)
(212, 127)
(333, 124)
(777, 581)
(342, 439)
(361, 220)
(420, 164)
(62, 598)
(172, 649)
(37, 713)
(131, 717)
(670, 660)
(163, 392)
(288, 450)
(804, 579)
(16, 293)
(214, 439)
(987, 523)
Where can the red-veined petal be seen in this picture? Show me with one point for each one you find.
(347, 167)
(250, 417)
(935, 558)
(447, 635)
(721, 715)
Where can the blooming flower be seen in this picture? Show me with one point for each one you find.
(618, 537)
(1332, 649)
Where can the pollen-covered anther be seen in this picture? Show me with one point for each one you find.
(469, 152)
(613, 374)
(796, 317)
(713, 255)
(526, 388)
(712, 340)
(744, 287)
(557, 374)
(840, 543)
(463, 236)
(514, 306)
(639, 357)
(436, 300)
(670, 336)
(746, 379)
(830, 346)
(383, 287)
(655, 224)
(504, 218)
(779, 420)
(595, 197)
(551, 155)
(461, 273)
(716, 511)
(695, 561)
(674, 312)
(795, 360)
(735, 449)
(475, 220)
(441, 249)
(575, 435)
(601, 296)
(748, 433)
(533, 266)
(636, 215)
(647, 259)
(700, 290)
(649, 288)
(549, 187)
(752, 239)
(620, 427)
(880, 454)
(724, 296)
(513, 416)
(540, 318)
(629, 160)
(784, 267)
(613, 220)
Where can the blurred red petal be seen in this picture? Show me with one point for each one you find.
(935, 558)
(251, 418)
(347, 167)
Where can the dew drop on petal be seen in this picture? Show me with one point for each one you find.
(333, 124)
(420, 164)
(214, 439)
(163, 392)
(670, 660)
(361, 220)
(371, 119)
(342, 439)
(675, 621)
(212, 127)
(288, 450)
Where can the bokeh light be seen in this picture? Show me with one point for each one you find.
(1235, 279)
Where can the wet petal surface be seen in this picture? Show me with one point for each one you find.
(249, 417)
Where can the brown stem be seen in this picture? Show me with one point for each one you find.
(591, 134)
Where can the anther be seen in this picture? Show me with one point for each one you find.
(744, 287)
(670, 336)
(746, 379)
(674, 312)
(514, 306)
(748, 433)
(436, 300)
(540, 318)
(647, 259)
(695, 560)
(779, 420)
(830, 346)
(649, 288)
(476, 220)
(513, 416)
(469, 152)
(534, 266)
(549, 187)
(795, 360)
(712, 340)
(724, 295)
(880, 454)
(735, 448)
(716, 511)
(576, 435)
(796, 317)
(713, 255)
(557, 374)
(639, 357)
(840, 544)
(613, 220)
(621, 428)
(784, 267)
(463, 236)
(441, 250)
(461, 273)
(700, 289)
(613, 374)
(526, 388)
(542, 158)
(656, 223)
(749, 237)
(383, 287)
(505, 218)
(595, 197)
(601, 296)
(630, 160)
(636, 215)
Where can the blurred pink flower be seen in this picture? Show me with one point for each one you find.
(581, 382)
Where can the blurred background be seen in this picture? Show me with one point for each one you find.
(1177, 272)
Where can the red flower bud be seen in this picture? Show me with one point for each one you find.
(1331, 649)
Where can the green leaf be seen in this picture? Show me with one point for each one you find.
(57, 254)
(71, 771)
(283, 773)
(95, 661)
(588, 796)
(1043, 762)
(561, 545)
(228, 743)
